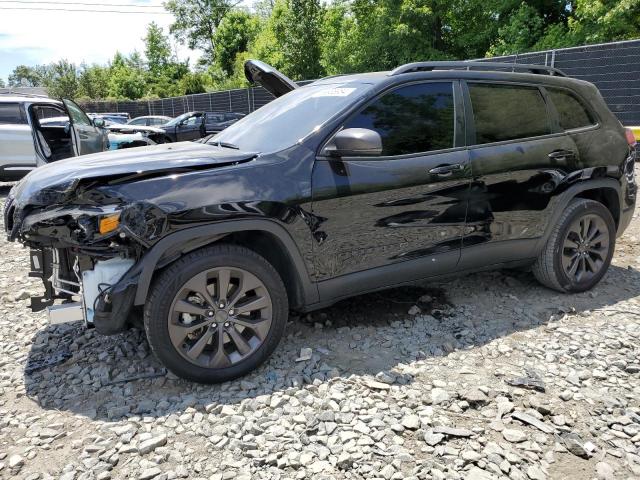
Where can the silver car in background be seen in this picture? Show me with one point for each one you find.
(27, 140)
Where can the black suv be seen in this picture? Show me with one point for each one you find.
(344, 186)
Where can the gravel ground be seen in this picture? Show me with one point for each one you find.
(482, 377)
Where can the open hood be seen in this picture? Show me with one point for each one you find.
(268, 77)
(117, 165)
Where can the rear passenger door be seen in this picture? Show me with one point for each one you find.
(518, 157)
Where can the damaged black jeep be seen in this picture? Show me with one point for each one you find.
(348, 185)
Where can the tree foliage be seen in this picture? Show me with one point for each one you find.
(306, 39)
(197, 21)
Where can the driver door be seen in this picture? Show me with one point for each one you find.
(190, 128)
(86, 137)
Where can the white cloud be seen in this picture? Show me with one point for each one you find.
(41, 36)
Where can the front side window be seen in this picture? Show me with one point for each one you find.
(508, 112)
(10, 114)
(413, 119)
(78, 117)
(571, 112)
(138, 121)
(193, 121)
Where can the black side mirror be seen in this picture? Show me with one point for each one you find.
(355, 142)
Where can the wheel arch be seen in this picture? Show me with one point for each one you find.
(607, 196)
(265, 237)
(604, 190)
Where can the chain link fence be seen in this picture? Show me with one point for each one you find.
(242, 100)
(613, 67)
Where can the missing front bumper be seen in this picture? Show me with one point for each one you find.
(105, 297)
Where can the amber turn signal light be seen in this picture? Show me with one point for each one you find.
(109, 223)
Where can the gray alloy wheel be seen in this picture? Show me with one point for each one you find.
(579, 248)
(585, 248)
(220, 317)
(216, 313)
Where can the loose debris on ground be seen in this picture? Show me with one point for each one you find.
(490, 376)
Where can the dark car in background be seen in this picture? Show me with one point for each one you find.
(217, 121)
(188, 126)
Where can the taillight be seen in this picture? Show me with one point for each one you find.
(631, 138)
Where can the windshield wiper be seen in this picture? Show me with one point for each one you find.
(225, 145)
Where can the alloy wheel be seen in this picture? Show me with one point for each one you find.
(585, 248)
(220, 317)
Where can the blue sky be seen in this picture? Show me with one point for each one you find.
(33, 33)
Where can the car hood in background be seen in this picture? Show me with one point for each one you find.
(133, 129)
(45, 184)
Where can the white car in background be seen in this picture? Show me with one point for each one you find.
(149, 121)
(27, 140)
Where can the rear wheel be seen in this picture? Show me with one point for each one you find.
(216, 314)
(579, 250)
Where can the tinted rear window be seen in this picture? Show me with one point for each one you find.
(412, 119)
(10, 114)
(571, 112)
(508, 112)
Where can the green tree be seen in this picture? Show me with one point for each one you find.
(93, 81)
(25, 76)
(196, 22)
(232, 37)
(299, 39)
(62, 80)
(523, 30)
(157, 49)
(2, 84)
(605, 20)
(127, 79)
(194, 83)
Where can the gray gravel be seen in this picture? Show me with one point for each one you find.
(418, 383)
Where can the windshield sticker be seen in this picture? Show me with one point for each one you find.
(334, 92)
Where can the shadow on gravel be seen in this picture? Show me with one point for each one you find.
(111, 378)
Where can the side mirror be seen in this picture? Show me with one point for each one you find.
(98, 122)
(355, 142)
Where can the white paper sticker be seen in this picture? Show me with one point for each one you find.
(334, 92)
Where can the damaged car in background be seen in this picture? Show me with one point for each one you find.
(348, 185)
(129, 136)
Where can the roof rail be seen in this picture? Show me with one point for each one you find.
(22, 94)
(488, 66)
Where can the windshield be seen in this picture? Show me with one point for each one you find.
(178, 119)
(291, 117)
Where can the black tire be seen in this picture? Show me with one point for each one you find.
(554, 265)
(160, 307)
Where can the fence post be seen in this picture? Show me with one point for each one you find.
(230, 105)
(553, 58)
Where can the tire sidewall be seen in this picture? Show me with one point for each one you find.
(174, 277)
(583, 208)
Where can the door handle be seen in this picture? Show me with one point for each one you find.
(446, 170)
(561, 154)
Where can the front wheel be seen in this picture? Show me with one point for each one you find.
(216, 313)
(579, 249)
